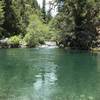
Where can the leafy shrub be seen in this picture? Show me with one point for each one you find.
(30, 40)
(36, 31)
(14, 41)
(41, 40)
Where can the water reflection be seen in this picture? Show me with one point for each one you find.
(78, 75)
(45, 83)
(48, 74)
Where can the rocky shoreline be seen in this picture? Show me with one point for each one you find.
(47, 44)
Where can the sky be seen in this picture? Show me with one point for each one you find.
(54, 11)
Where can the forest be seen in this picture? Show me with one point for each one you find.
(76, 24)
(49, 49)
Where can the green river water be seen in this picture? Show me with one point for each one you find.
(49, 74)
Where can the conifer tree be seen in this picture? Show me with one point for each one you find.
(1, 16)
(44, 10)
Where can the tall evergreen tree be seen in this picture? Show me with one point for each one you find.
(17, 15)
(49, 12)
(44, 10)
(10, 23)
(49, 16)
(1, 16)
(35, 4)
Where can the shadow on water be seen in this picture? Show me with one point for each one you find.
(78, 75)
(49, 74)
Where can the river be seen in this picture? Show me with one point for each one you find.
(49, 74)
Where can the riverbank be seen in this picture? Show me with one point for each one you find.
(95, 49)
(47, 44)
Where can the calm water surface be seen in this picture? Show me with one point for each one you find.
(49, 74)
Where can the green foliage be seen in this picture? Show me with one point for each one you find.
(25, 18)
(44, 11)
(1, 16)
(1, 10)
(14, 41)
(11, 21)
(36, 31)
(17, 14)
(49, 16)
(77, 18)
(30, 40)
(74, 22)
(53, 31)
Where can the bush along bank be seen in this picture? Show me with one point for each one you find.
(18, 42)
(29, 41)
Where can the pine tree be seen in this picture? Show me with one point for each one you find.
(44, 10)
(17, 15)
(49, 16)
(1, 16)
(10, 23)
